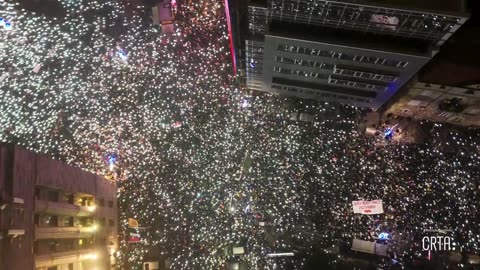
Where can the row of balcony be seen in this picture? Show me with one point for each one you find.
(64, 232)
(62, 258)
(63, 209)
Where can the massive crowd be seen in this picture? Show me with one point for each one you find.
(201, 164)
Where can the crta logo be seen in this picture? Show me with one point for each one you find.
(434, 243)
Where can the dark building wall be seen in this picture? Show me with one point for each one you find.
(17, 253)
(55, 174)
(20, 172)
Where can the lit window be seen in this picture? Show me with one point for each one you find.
(326, 53)
(358, 58)
(402, 64)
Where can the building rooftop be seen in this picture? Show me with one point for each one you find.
(350, 38)
(433, 6)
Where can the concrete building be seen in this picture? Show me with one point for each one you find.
(449, 86)
(54, 216)
(354, 52)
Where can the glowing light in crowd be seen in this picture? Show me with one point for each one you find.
(5, 24)
(204, 166)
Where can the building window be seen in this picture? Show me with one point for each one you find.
(85, 221)
(361, 85)
(287, 60)
(347, 57)
(326, 53)
(402, 64)
(358, 74)
(102, 202)
(37, 193)
(358, 58)
(369, 60)
(389, 78)
(328, 66)
(391, 63)
(47, 221)
(110, 204)
(70, 266)
(285, 71)
(69, 198)
(102, 222)
(53, 196)
(68, 221)
(282, 47)
(111, 223)
(341, 55)
(277, 69)
(298, 62)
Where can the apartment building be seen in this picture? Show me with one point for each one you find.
(54, 216)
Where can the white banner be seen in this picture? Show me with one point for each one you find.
(368, 207)
(385, 21)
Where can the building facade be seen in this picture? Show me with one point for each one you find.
(54, 216)
(353, 52)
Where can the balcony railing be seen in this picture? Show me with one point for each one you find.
(60, 258)
(64, 209)
(63, 232)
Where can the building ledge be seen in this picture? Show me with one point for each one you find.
(367, 41)
(64, 209)
(59, 258)
(63, 232)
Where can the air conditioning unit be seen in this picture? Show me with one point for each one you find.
(15, 233)
(18, 201)
(151, 266)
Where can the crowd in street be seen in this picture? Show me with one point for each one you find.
(202, 164)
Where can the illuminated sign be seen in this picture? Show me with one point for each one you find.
(384, 236)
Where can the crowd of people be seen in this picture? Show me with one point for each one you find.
(201, 164)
